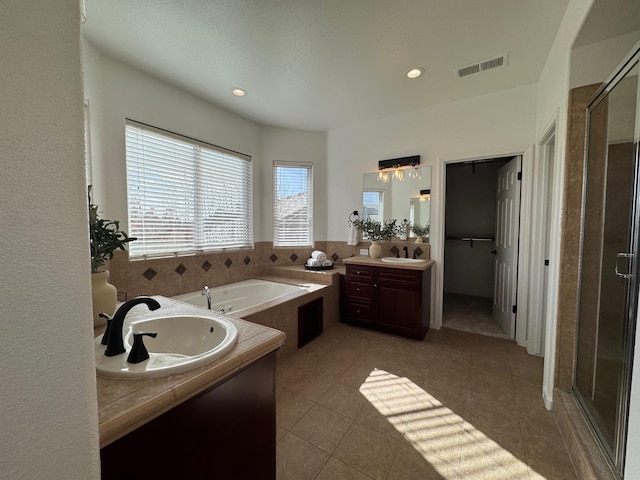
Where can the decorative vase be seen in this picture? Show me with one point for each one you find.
(419, 240)
(375, 249)
(104, 296)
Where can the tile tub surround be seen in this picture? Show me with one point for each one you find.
(360, 404)
(124, 405)
(173, 276)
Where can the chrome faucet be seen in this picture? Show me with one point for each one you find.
(115, 344)
(205, 291)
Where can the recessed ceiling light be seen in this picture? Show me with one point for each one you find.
(238, 92)
(415, 72)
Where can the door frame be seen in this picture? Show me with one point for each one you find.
(537, 327)
(438, 197)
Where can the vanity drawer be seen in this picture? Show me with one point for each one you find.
(355, 271)
(359, 289)
(360, 311)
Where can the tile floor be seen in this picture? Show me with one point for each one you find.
(470, 314)
(356, 404)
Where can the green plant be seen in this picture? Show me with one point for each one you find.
(105, 237)
(375, 230)
(419, 230)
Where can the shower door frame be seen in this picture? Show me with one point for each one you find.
(616, 455)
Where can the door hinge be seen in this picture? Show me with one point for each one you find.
(514, 309)
(519, 175)
(546, 263)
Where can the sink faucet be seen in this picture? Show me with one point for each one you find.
(406, 251)
(115, 344)
(205, 291)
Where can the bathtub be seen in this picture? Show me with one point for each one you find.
(236, 298)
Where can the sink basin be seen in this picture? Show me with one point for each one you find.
(402, 260)
(183, 343)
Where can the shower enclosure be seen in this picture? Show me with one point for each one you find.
(608, 298)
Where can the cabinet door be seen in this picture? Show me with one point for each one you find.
(398, 301)
(398, 306)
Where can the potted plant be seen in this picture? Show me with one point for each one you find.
(105, 238)
(420, 232)
(376, 231)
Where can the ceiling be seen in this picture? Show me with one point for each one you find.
(325, 64)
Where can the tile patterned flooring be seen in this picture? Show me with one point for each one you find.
(357, 404)
(471, 314)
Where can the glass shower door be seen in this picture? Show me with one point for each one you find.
(609, 262)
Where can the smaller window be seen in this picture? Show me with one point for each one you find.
(373, 204)
(292, 204)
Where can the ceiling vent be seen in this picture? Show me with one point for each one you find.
(496, 62)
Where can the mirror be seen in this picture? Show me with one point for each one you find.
(397, 199)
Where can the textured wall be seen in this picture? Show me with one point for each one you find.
(48, 425)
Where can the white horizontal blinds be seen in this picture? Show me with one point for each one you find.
(185, 196)
(224, 181)
(292, 204)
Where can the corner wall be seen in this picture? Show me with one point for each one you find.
(49, 424)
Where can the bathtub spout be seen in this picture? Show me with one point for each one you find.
(205, 291)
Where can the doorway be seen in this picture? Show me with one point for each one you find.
(482, 214)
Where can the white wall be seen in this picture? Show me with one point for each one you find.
(295, 146)
(490, 125)
(123, 92)
(117, 91)
(595, 62)
(48, 424)
(552, 104)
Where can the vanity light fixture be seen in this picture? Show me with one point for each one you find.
(239, 92)
(398, 168)
(425, 194)
(415, 72)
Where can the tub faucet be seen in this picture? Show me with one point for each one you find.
(205, 291)
(406, 251)
(115, 344)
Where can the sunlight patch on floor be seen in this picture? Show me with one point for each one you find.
(440, 436)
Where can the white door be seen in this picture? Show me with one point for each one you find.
(506, 262)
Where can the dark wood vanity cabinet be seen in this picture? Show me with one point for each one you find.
(394, 300)
(226, 432)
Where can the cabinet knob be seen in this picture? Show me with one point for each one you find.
(375, 285)
(357, 289)
(357, 311)
(357, 272)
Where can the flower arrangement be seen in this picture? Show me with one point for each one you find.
(376, 230)
(419, 230)
(105, 236)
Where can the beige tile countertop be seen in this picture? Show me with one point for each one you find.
(124, 405)
(362, 260)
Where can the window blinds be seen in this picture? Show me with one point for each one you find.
(292, 204)
(185, 196)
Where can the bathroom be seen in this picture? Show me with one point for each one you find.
(47, 388)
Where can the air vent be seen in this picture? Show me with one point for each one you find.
(496, 62)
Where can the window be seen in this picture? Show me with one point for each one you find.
(292, 204)
(185, 196)
(372, 204)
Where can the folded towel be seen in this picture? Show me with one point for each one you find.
(319, 256)
(327, 263)
(352, 235)
(313, 263)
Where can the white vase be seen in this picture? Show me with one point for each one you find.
(375, 249)
(104, 296)
(419, 240)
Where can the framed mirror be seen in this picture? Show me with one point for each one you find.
(400, 199)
